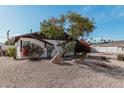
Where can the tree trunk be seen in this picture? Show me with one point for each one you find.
(57, 59)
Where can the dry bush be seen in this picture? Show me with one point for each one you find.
(120, 57)
(35, 52)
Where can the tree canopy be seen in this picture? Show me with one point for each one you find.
(53, 27)
(79, 25)
(72, 23)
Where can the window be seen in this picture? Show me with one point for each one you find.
(45, 44)
(26, 43)
(21, 45)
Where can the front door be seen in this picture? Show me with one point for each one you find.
(25, 48)
(49, 50)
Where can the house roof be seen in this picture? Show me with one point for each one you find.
(42, 36)
(31, 35)
(111, 44)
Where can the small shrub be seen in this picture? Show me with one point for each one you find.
(103, 58)
(120, 57)
(35, 52)
(11, 52)
(4, 53)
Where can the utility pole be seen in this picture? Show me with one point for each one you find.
(31, 30)
(8, 32)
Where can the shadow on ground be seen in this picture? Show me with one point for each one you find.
(107, 69)
(65, 64)
(100, 66)
(99, 58)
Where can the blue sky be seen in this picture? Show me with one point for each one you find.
(20, 19)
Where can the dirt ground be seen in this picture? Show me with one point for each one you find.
(39, 74)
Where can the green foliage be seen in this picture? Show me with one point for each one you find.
(35, 52)
(53, 27)
(79, 25)
(11, 52)
(69, 47)
(73, 23)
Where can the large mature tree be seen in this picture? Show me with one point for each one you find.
(79, 25)
(72, 23)
(53, 27)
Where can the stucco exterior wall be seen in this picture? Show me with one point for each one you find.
(121, 50)
(18, 50)
(17, 44)
(57, 49)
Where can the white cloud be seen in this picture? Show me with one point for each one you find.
(121, 14)
(114, 12)
(105, 15)
(16, 34)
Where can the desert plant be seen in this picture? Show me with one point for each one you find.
(120, 57)
(35, 52)
(103, 58)
(4, 53)
(11, 52)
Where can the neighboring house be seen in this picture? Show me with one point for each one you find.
(41, 40)
(111, 47)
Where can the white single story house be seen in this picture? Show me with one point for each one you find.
(47, 44)
(115, 47)
(38, 39)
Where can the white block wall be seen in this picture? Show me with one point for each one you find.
(113, 49)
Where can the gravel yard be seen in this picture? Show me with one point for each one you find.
(39, 74)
